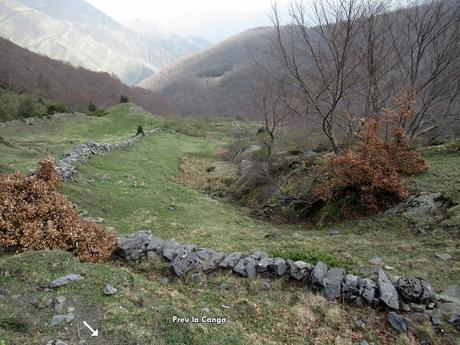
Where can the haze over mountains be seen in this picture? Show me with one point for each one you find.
(76, 32)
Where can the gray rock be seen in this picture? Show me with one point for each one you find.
(278, 265)
(454, 320)
(444, 256)
(155, 245)
(98, 220)
(164, 281)
(350, 287)
(332, 283)
(69, 317)
(363, 342)
(398, 322)
(420, 206)
(59, 304)
(436, 321)
(388, 293)
(359, 325)
(109, 290)
(58, 319)
(317, 275)
(213, 262)
(172, 249)
(56, 342)
(334, 232)
(367, 289)
(246, 267)
(183, 263)
(369, 270)
(298, 269)
(262, 265)
(376, 261)
(416, 290)
(417, 308)
(266, 285)
(134, 246)
(65, 280)
(231, 260)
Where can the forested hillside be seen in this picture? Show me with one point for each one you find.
(25, 72)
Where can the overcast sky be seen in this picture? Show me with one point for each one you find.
(214, 20)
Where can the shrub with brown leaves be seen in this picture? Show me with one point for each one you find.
(367, 178)
(33, 216)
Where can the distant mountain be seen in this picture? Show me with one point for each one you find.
(218, 81)
(76, 32)
(23, 71)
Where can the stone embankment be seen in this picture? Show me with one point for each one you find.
(409, 294)
(66, 166)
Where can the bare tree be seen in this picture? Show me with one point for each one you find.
(320, 58)
(427, 42)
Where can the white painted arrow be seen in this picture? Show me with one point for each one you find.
(94, 333)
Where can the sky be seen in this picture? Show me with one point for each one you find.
(213, 20)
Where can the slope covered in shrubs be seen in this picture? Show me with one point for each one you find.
(33, 216)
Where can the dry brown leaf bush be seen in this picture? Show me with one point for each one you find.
(367, 178)
(33, 216)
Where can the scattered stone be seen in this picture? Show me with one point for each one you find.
(56, 342)
(388, 268)
(165, 281)
(334, 232)
(444, 256)
(317, 275)
(359, 325)
(363, 342)
(416, 290)
(436, 321)
(58, 319)
(59, 304)
(109, 290)
(376, 261)
(92, 220)
(224, 306)
(417, 308)
(266, 285)
(5, 274)
(65, 280)
(398, 322)
(388, 293)
(332, 283)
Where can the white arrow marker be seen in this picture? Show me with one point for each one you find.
(94, 333)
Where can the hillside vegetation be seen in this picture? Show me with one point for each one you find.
(24, 72)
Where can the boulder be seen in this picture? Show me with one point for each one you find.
(421, 205)
(398, 322)
(332, 283)
(134, 246)
(387, 291)
(231, 260)
(416, 290)
(278, 265)
(350, 287)
(246, 267)
(367, 289)
(298, 269)
(65, 280)
(317, 275)
(262, 265)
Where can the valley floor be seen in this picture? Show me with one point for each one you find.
(137, 189)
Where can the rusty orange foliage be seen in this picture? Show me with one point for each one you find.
(33, 216)
(367, 178)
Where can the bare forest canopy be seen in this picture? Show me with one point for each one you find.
(23, 71)
(331, 63)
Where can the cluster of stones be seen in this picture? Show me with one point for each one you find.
(333, 283)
